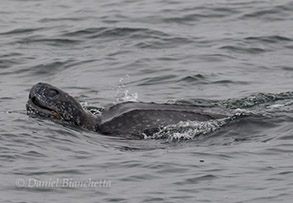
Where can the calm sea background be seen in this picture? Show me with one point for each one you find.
(224, 53)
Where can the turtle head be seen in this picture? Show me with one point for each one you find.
(48, 101)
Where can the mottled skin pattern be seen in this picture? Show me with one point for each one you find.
(126, 119)
(50, 102)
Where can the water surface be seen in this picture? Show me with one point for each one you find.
(228, 54)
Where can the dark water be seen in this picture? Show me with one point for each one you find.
(236, 55)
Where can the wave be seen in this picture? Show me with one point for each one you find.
(191, 129)
(277, 12)
(265, 110)
(110, 32)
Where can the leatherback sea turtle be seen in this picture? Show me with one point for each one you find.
(124, 119)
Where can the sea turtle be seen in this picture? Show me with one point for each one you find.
(129, 118)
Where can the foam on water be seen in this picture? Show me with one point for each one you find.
(190, 129)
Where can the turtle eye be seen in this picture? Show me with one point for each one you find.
(52, 93)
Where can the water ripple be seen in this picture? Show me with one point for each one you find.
(222, 55)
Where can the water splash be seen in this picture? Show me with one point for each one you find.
(286, 106)
(190, 129)
(127, 96)
(262, 104)
(260, 99)
(92, 109)
(256, 101)
(123, 94)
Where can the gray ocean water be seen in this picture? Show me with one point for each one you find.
(235, 55)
